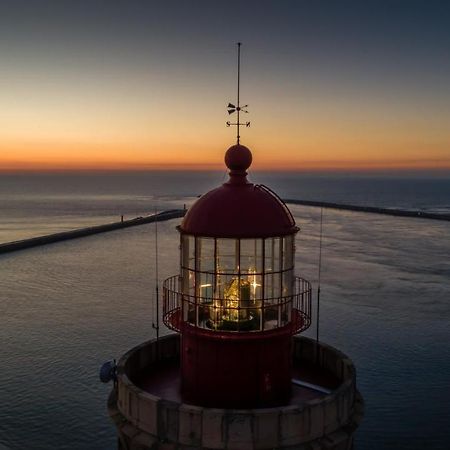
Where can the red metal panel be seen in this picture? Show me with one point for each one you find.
(243, 372)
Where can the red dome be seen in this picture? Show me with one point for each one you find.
(239, 209)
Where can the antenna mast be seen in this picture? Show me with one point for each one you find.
(318, 284)
(237, 108)
(156, 327)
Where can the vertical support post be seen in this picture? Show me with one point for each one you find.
(214, 290)
(196, 279)
(318, 286)
(263, 282)
(184, 282)
(280, 268)
(238, 261)
(156, 327)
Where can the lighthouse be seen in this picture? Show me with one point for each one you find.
(236, 374)
(236, 301)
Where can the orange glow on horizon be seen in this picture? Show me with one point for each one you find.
(307, 149)
(115, 161)
(142, 136)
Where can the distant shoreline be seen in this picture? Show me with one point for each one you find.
(177, 213)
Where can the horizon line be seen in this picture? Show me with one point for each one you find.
(214, 168)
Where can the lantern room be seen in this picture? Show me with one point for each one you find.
(229, 278)
(236, 301)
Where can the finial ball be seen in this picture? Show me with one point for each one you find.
(238, 158)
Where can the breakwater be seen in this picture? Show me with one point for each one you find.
(372, 209)
(176, 213)
(88, 231)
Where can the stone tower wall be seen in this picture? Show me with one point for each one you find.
(145, 421)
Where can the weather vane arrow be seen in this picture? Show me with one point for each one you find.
(238, 108)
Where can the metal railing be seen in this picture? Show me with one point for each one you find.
(220, 314)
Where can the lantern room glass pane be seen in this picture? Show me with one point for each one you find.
(188, 251)
(191, 282)
(205, 287)
(272, 287)
(270, 318)
(251, 256)
(227, 256)
(288, 252)
(272, 254)
(284, 312)
(223, 284)
(205, 254)
(288, 283)
(255, 282)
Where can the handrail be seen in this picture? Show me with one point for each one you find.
(279, 199)
(217, 314)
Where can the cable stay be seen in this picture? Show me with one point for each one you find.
(318, 284)
(155, 323)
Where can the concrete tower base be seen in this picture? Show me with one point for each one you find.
(148, 414)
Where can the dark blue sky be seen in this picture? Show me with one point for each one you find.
(302, 60)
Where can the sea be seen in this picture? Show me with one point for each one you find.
(65, 308)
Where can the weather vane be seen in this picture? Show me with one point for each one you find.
(238, 108)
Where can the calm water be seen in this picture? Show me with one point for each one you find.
(68, 307)
(38, 204)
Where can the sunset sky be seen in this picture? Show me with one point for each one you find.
(109, 84)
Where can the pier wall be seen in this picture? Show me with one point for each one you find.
(177, 213)
(82, 232)
(371, 209)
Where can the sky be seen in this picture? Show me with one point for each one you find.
(124, 85)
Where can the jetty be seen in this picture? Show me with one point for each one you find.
(88, 231)
(372, 209)
(177, 213)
